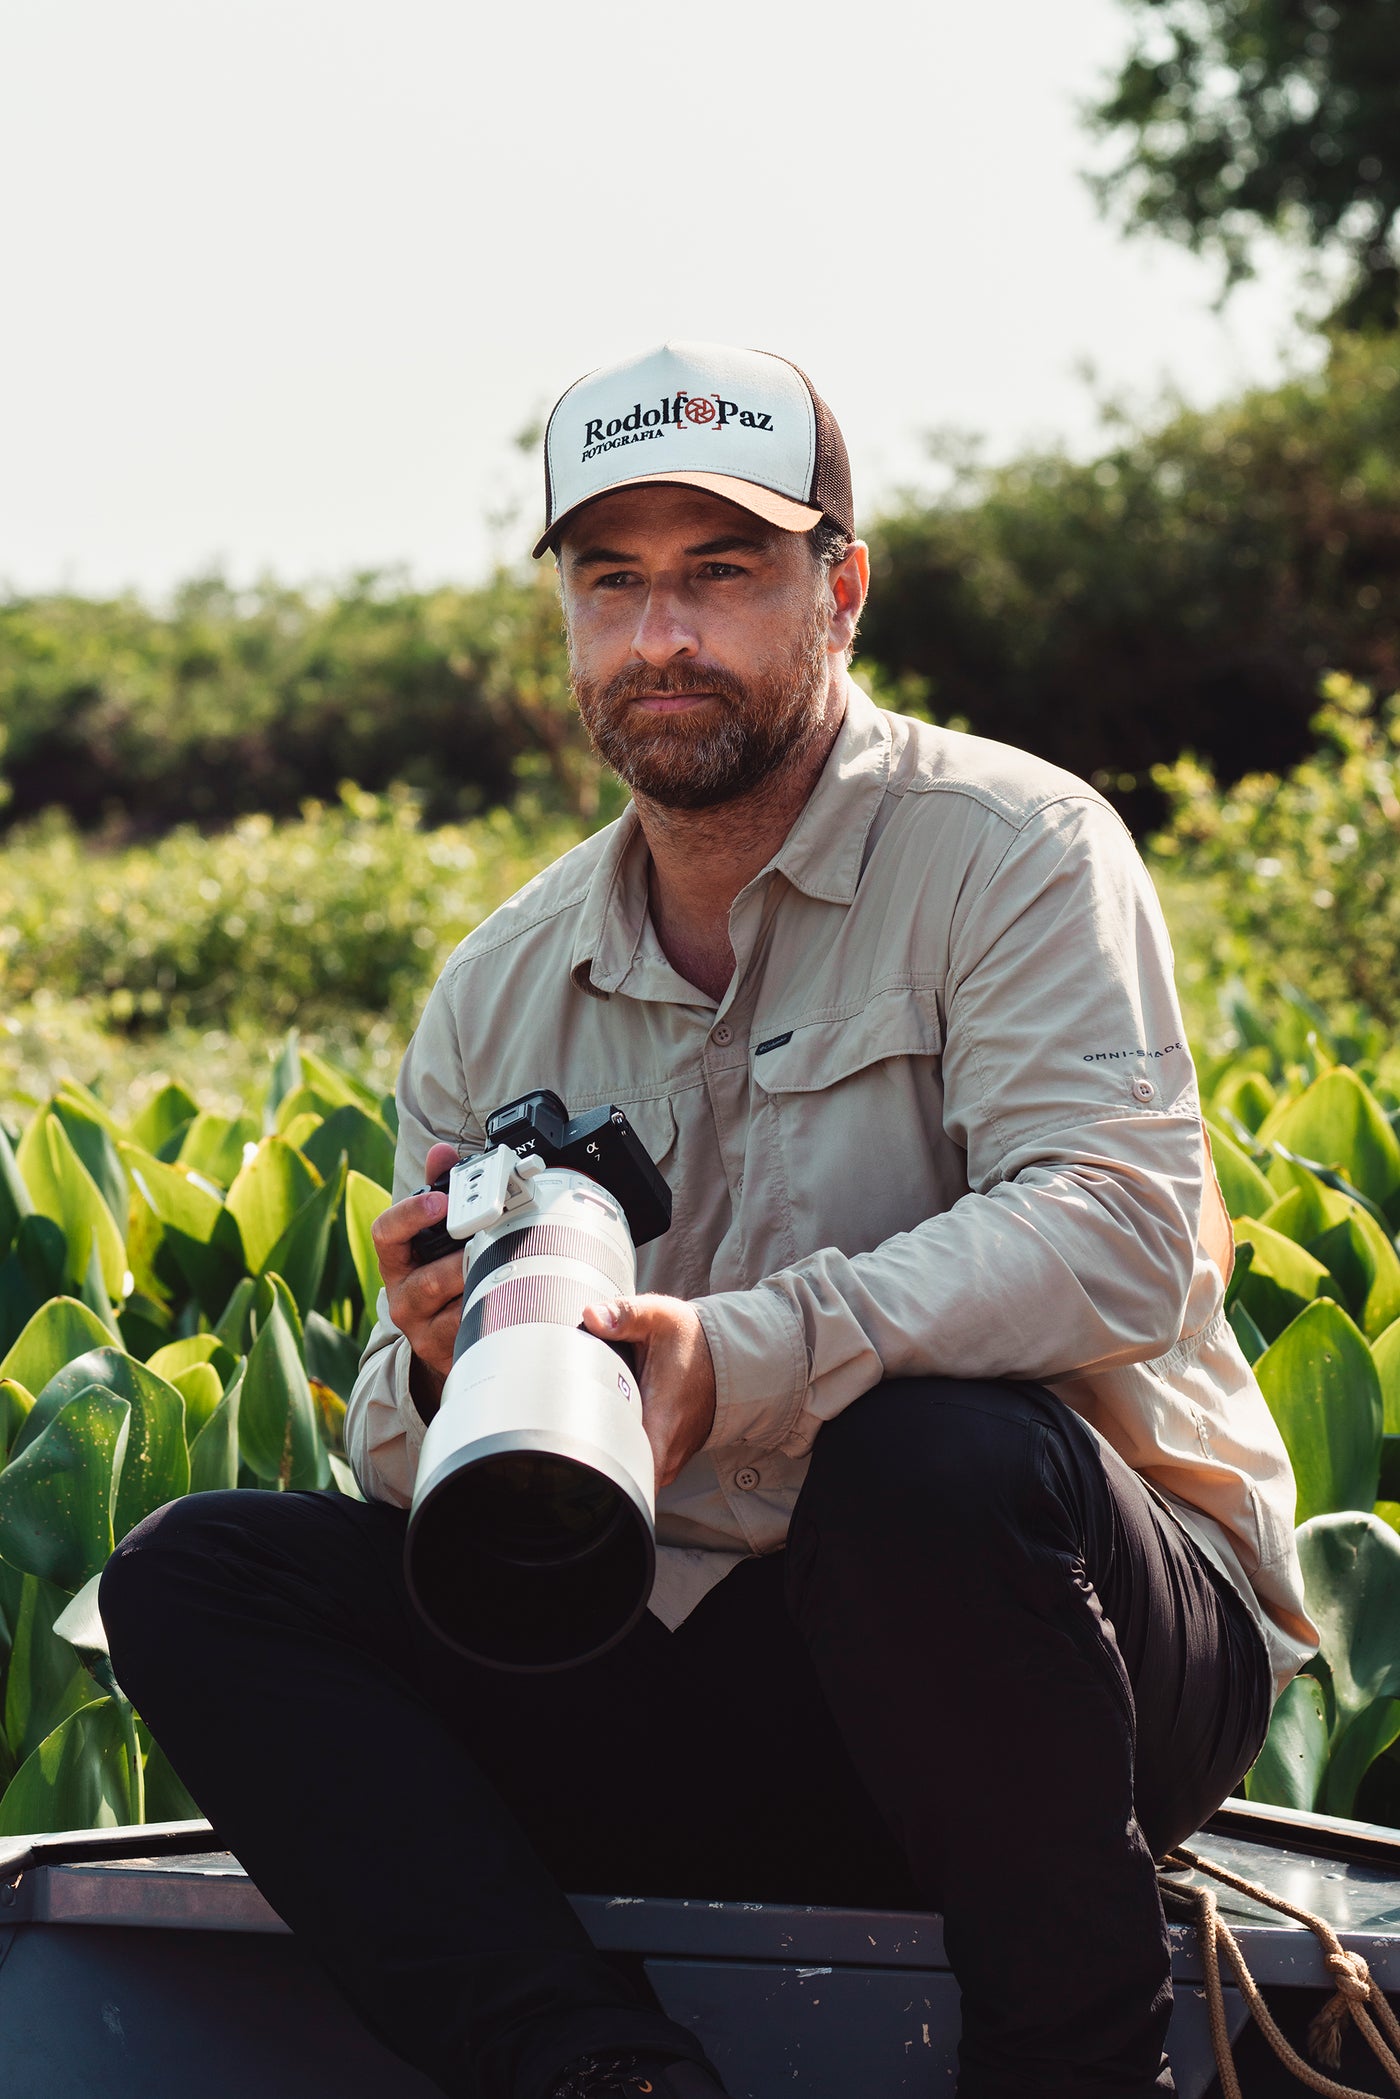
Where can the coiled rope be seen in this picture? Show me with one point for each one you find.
(1357, 1996)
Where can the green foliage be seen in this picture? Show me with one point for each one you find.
(1183, 591)
(1318, 1270)
(1238, 116)
(221, 1357)
(1296, 880)
(236, 702)
(349, 910)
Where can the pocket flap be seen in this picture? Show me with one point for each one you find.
(899, 1022)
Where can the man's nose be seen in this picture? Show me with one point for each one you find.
(664, 630)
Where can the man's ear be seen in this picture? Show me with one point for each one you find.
(847, 584)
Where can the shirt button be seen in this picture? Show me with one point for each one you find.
(746, 1478)
(1144, 1090)
(722, 1034)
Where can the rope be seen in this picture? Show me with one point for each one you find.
(1356, 1995)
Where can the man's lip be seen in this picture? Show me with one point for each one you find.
(669, 702)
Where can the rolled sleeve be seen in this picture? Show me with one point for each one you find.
(759, 1350)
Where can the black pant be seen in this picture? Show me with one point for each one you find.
(989, 1676)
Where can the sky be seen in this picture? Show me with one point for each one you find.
(284, 279)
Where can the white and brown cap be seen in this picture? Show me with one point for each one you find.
(741, 423)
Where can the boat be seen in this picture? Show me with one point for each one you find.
(142, 1963)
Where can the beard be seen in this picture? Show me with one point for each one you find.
(751, 730)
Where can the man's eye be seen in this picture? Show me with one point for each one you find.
(721, 569)
(616, 580)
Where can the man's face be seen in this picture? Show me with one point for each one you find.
(700, 642)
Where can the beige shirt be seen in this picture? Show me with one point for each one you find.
(943, 1121)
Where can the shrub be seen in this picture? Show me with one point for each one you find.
(349, 911)
(1296, 880)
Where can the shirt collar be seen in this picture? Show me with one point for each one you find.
(822, 854)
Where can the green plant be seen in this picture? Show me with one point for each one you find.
(182, 1305)
(1297, 879)
(1308, 1155)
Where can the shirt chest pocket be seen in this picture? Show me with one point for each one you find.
(851, 1109)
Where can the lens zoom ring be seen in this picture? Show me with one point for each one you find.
(522, 1300)
(573, 1242)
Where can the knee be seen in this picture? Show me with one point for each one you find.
(143, 1583)
(954, 1460)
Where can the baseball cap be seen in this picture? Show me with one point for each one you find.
(741, 423)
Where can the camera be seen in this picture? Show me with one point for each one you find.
(531, 1540)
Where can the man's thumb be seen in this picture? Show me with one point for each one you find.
(617, 1316)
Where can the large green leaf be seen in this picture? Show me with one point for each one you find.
(34, 1270)
(1368, 1737)
(337, 1086)
(178, 1356)
(79, 1777)
(15, 1404)
(233, 1327)
(286, 1077)
(57, 1333)
(1291, 1764)
(156, 1464)
(1252, 1342)
(1280, 1280)
(278, 1433)
(1351, 1578)
(91, 1138)
(44, 1682)
(214, 1451)
(364, 1201)
(198, 1230)
(332, 1357)
(15, 1200)
(166, 1797)
(366, 1143)
(266, 1196)
(201, 1388)
(1358, 1254)
(1246, 1192)
(213, 1145)
(57, 1496)
(1339, 1122)
(163, 1115)
(299, 1256)
(1321, 1384)
(80, 1624)
(1386, 1351)
(64, 1190)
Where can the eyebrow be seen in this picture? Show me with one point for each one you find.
(728, 543)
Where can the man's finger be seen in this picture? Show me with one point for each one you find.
(395, 1227)
(440, 1157)
(424, 1292)
(620, 1319)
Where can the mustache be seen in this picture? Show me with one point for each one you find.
(638, 681)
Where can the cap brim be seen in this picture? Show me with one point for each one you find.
(763, 502)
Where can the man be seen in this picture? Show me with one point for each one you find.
(977, 1567)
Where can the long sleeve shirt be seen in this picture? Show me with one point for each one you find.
(943, 1121)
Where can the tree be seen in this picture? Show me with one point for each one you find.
(1238, 117)
(1184, 591)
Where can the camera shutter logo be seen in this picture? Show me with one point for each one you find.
(699, 411)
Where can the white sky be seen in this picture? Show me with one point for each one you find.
(282, 278)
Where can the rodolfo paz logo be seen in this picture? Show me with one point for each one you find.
(640, 425)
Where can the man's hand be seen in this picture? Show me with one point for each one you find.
(424, 1303)
(676, 1371)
